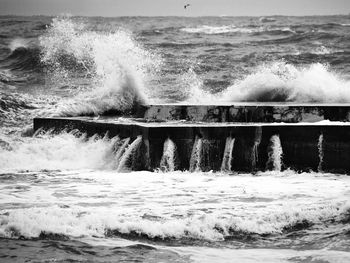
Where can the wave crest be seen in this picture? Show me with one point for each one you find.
(282, 82)
(25, 55)
(115, 64)
(216, 30)
(75, 151)
(77, 221)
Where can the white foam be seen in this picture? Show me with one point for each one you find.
(128, 153)
(280, 81)
(267, 19)
(212, 30)
(275, 153)
(175, 205)
(225, 29)
(322, 50)
(228, 154)
(18, 43)
(167, 163)
(192, 88)
(64, 151)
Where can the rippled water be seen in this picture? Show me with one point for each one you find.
(61, 196)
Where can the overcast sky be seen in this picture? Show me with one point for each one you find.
(174, 7)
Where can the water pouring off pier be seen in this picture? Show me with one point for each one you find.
(229, 138)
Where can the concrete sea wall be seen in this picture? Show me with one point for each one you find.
(305, 146)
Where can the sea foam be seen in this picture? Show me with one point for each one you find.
(64, 151)
(281, 81)
(109, 204)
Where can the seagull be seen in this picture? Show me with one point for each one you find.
(187, 5)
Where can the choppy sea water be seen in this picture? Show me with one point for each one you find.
(65, 197)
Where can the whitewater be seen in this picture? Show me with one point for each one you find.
(76, 198)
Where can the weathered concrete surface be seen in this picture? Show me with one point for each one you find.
(250, 153)
(247, 112)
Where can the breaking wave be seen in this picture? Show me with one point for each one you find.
(64, 151)
(76, 221)
(211, 30)
(24, 56)
(116, 65)
(214, 30)
(282, 82)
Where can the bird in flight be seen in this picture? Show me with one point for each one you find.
(187, 5)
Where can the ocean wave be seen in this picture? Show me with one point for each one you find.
(117, 65)
(216, 30)
(19, 43)
(211, 30)
(157, 31)
(17, 110)
(280, 81)
(321, 50)
(24, 56)
(298, 37)
(23, 59)
(64, 151)
(76, 221)
(267, 19)
(12, 104)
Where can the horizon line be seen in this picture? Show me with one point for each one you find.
(108, 16)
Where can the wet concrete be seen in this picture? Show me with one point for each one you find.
(252, 140)
(241, 112)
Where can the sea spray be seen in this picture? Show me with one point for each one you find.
(275, 154)
(320, 152)
(115, 64)
(192, 88)
(280, 81)
(228, 152)
(196, 155)
(167, 162)
(129, 152)
(64, 151)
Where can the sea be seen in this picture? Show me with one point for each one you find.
(66, 197)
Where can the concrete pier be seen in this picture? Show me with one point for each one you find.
(246, 112)
(300, 141)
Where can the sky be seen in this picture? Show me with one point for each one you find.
(174, 7)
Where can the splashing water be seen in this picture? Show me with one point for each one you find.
(255, 154)
(129, 152)
(276, 82)
(227, 158)
(167, 162)
(64, 152)
(120, 151)
(117, 64)
(192, 88)
(320, 152)
(280, 81)
(275, 153)
(196, 155)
